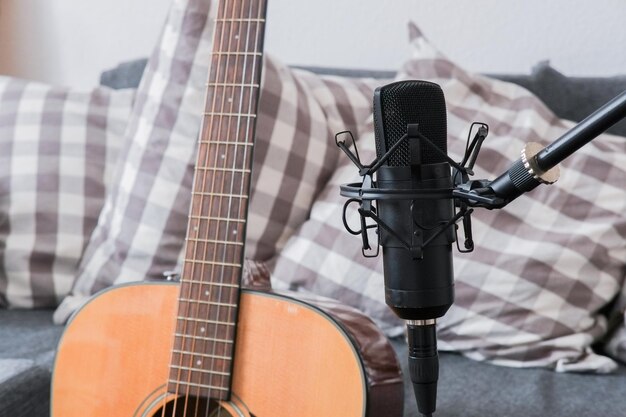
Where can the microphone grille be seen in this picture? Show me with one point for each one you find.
(409, 102)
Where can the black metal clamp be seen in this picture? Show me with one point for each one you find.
(366, 191)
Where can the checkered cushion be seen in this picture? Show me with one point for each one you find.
(58, 148)
(529, 294)
(140, 233)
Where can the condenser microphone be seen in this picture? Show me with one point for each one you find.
(416, 242)
(417, 194)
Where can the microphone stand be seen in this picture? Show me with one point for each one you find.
(539, 165)
(536, 166)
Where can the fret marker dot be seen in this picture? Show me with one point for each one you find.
(199, 362)
(223, 156)
(230, 99)
(206, 292)
(195, 228)
(236, 36)
(234, 232)
(202, 329)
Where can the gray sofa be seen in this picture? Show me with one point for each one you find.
(467, 388)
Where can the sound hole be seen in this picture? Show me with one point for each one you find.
(194, 407)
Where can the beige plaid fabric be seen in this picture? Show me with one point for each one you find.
(141, 231)
(529, 294)
(58, 150)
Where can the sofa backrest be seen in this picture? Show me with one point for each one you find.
(572, 98)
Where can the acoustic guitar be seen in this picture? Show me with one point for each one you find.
(203, 346)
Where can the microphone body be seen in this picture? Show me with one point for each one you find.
(417, 288)
(419, 283)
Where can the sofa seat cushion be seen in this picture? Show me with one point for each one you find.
(474, 389)
(27, 345)
(24, 389)
(29, 335)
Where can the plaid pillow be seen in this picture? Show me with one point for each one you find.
(58, 148)
(141, 231)
(529, 294)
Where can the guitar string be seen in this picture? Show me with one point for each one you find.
(207, 283)
(230, 201)
(179, 321)
(191, 265)
(244, 177)
(251, 99)
(227, 149)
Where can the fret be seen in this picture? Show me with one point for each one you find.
(206, 339)
(211, 240)
(223, 142)
(222, 179)
(219, 219)
(205, 321)
(213, 263)
(242, 19)
(218, 212)
(238, 53)
(186, 368)
(213, 303)
(207, 292)
(208, 313)
(219, 284)
(202, 355)
(221, 253)
(245, 85)
(204, 371)
(231, 114)
(209, 283)
(221, 195)
(245, 171)
(193, 384)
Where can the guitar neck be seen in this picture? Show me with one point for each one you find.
(211, 278)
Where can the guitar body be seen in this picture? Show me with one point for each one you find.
(292, 359)
(205, 347)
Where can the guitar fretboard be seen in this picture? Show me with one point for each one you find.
(203, 350)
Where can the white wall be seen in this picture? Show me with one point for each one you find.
(70, 41)
(579, 36)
